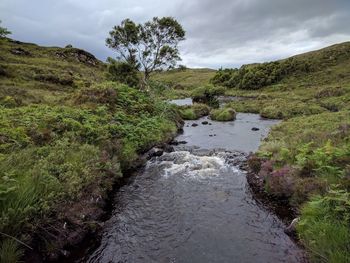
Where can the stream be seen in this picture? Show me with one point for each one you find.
(194, 204)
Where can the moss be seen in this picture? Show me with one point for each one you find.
(224, 114)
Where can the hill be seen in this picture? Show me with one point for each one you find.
(186, 78)
(305, 159)
(34, 74)
(66, 137)
(179, 83)
(320, 67)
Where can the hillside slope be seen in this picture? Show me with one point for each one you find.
(34, 74)
(325, 66)
(305, 160)
(66, 137)
(179, 83)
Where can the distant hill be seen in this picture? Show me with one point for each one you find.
(32, 73)
(321, 67)
(185, 79)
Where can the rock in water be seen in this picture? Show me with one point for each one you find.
(155, 152)
(194, 125)
(255, 129)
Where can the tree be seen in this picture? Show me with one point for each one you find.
(148, 47)
(3, 31)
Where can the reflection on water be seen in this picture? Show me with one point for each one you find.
(233, 135)
(182, 102)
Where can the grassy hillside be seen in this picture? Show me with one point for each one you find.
(326, 66)
(179, 83)
(66, 136)
(33, 74)
(305, 159)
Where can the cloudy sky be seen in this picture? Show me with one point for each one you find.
(225, 33)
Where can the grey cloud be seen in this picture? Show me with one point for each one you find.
(219, 33)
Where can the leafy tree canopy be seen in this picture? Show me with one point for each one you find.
(150, 46)
(3, 31)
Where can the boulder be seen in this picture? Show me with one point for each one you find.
(154, 152)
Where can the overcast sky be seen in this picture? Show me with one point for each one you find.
(225, 33)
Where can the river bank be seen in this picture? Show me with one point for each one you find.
(153, 212)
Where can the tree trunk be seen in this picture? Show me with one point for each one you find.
(144, 84)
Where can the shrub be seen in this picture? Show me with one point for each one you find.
(281, 182)
(101, 95)
(122, 72)
(224, 114)
(182, 68)
(257, 76)
(254, 163)
(307, 187)
(207, 94)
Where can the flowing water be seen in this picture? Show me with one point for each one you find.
(194, 204)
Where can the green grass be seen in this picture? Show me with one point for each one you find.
(65, 132)
(50, 155)
(224, 114)
(283, 102)
(324, 227)
(10, 252)
(180, 83)
(308, 153)
(194, 112)
(324, 67)
(44, 74)
(185, 79)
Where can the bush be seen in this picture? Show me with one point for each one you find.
(182, 68)
(224, 114)
(257, 76)
(122, 72)
(207, 94)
